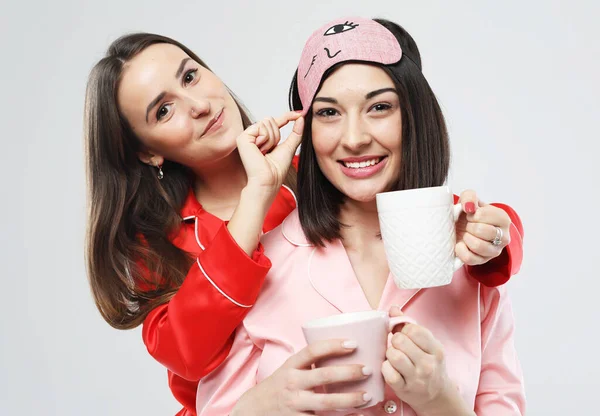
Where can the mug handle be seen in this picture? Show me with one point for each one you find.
(456, 211)
(397, 320)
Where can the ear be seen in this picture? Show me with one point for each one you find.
(151, 159)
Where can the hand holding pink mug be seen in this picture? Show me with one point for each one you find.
(369, 329)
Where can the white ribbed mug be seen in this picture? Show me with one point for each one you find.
(418, 228)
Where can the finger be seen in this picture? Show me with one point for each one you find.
(401, 342)
(285, 151)
(486, 232)
(309, 401)
(260, 140)
(469, 201)
(276, 132)
(422, 338)
(273, 139)
(250, 133)
(309, 379)
(391, 376)
(395, 310)
(481, 247)
(467, 256)
(286, 118)
(318, 350)
(270, 129)
(491, 215)
(401, 363)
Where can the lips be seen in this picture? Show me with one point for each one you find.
(212, 122)
(364, 162)
(362, 167)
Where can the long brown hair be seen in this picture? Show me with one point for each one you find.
(425, 145)
(132, 264)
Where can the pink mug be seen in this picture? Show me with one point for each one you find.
(370, 330)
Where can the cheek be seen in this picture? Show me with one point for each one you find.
(212, 85)
(175, 134)
(324, 141)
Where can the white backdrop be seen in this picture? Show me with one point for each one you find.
(518, 82)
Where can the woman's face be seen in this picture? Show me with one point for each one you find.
(178, 109)
(357, 131)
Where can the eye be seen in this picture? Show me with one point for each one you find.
(380, 107)
(339, 28)
(189, 76)
(327, 112)
(163, 111)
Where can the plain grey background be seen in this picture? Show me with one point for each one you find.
(518, 82)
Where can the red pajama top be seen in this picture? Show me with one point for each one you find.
(193, 333)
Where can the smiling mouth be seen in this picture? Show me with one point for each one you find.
(362, 164)
(212, 122)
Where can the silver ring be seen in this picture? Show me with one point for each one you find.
(497, 241)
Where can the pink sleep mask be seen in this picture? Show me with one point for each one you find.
(348, 39)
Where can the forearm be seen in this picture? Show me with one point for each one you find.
(246, 223)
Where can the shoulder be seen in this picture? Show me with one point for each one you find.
(288, 234)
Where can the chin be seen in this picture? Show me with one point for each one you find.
(353, 195)
(365, 193)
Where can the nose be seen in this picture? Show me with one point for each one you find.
(199, 107)
(356, 135)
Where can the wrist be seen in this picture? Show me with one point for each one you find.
(259, 192)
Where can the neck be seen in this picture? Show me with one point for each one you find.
(363, 224)
(220, 183)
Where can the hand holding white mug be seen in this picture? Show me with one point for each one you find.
(289, 390)
(477, 229)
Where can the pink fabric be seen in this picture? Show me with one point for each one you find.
(473, 322)
(342, 40)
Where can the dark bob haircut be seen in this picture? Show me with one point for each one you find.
(425, 152)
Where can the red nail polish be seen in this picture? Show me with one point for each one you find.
(470, 207)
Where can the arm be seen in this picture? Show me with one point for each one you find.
(501, 381)
(191, 335)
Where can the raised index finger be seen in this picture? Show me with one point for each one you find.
(287, 117)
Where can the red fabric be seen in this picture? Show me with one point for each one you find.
(193, 333)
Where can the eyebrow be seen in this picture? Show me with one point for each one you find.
(160, 96)
(326, 100)
(380, 91)
(368, 96)
(181, 66)
(153, 103)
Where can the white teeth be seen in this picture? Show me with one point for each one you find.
(363, 164)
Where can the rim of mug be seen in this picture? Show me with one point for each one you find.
(344, 319)
(415, 190)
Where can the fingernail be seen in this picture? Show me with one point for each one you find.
(367, 371)
(470, 207)
(350, 344)
(366, 397)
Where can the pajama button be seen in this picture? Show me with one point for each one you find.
(390, 407)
